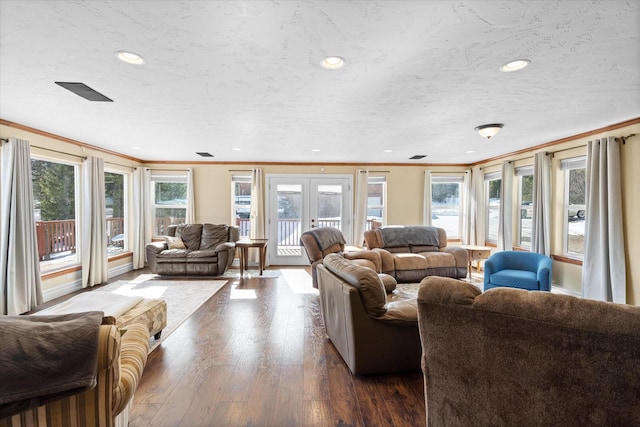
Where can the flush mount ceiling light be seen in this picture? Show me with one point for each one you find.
(129, 57)
(489, 130)
(516, 65)
(332, 62)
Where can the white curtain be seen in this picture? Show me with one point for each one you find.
(191, 207)
(257, 216)
(94, 227)
(465, 208)
(20, 289)
(426, 209)
(477, 225)
(362, 191)
(541, 227)
(142, 220)
(604, 267)
(505, 227)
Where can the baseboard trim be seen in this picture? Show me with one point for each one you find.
(62, 290)
(76, 285)
(565, 291)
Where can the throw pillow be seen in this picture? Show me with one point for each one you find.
(175, 243)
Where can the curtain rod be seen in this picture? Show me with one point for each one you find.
(624, 138)
(4, 139)
(239, 170)
(59, 152)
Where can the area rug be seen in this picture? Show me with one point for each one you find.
(183, 297)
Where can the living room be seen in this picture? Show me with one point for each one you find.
(286, 138)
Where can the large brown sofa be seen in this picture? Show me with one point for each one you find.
(410, 253)
(194, 249)
(374, 331)
(511, 357)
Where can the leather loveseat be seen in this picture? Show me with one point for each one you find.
(510, 357)
(194, 249)
(374, 328)
(410, 253)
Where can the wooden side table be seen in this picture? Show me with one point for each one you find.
(476, 253)
(244, 246)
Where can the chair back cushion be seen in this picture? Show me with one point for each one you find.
(372, 291)
(190, 234)
(213, 235)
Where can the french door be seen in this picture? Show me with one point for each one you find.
(297, 203)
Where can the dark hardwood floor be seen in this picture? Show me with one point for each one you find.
(260, 357)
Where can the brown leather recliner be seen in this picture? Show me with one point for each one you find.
(319, 242)
(374, 330)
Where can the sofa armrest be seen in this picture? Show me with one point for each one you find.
(156, 247)
(134, 348)
(460, 254)
(372, 256)
(225, 247)
(387, 264)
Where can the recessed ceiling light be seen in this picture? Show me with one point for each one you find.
(315, 150)
(129, 57)
(332, 62)
(388, 151)
(136, 148)
(235, 149)
(516, 65)
(470, 151)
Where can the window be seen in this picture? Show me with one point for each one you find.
(241, 194)
(574, 205)
(376, 196)
(446, 202)
(114, 199)
(493, 187)
(169, 195)
(54, 206)
(525, 201)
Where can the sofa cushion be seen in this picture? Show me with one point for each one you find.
(515, 279)
(409, 261)
(366, 280)
(209, 254)
(190, 234)
(213, 235)
(412, 235)
(172, 254)
(438, 259)
(390, 283)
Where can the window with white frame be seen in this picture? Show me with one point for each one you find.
(493, 187)
(574, 205)
(169, 197)
(376, 197)
(115, 209)
(446, 204)
(241, 202)
(55, 190)
(525, 202)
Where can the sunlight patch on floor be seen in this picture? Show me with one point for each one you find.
(242, 293)
(148, 292)
(299, 281)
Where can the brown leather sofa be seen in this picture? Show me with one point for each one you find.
(375, 332)
(322, 241)
(410, 253)
(193, 249)
(511, 357)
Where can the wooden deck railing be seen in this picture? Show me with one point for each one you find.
(59, 237)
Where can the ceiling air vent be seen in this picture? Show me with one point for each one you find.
(204, 154)
(84, 91)
(418, 157)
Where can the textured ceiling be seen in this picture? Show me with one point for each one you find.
(420, 75)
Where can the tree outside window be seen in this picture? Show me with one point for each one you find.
(170, 201)
(575, 211)
(54, 199)
(525, 220)
(115, 212)
(493, 208)
(446, 204)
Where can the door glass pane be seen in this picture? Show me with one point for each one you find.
(329, 205)
(114, 203)
(289, 219)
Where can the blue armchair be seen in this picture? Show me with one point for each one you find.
(523, 270)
